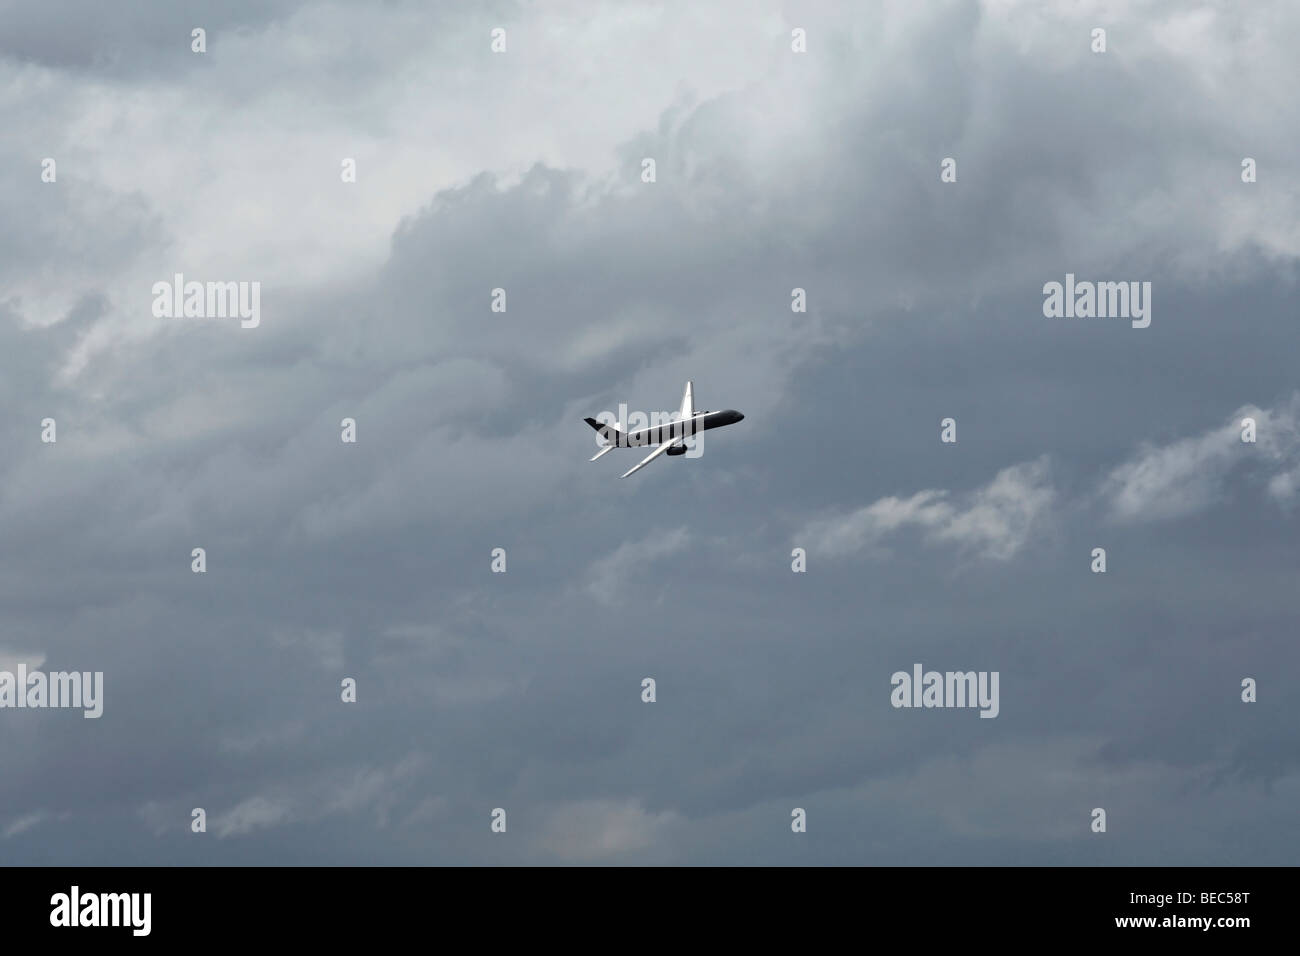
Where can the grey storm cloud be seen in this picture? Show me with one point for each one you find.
(521, 690)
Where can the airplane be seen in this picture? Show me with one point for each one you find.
(669, 436)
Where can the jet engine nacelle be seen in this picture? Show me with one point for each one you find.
(676, 450)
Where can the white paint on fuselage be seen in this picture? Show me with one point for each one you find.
(684, 428)
(657, 434)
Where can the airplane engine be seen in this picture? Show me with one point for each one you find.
(677, 450)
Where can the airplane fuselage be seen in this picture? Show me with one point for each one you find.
(681, 429)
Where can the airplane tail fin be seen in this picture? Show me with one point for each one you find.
(608, 432)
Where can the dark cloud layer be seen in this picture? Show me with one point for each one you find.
(522, 690)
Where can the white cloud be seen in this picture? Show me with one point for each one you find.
(1190, 474)
(1159, 482)
(255, 813)
(288, 99)
(610, 576)
(10, 659)
(597, 829)
(23, 824)
(381, 790)
(995, 521)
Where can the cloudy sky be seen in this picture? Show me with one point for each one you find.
(775, 170)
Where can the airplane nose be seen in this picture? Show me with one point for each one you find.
(740, 416)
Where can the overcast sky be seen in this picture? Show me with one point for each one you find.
(775, 170)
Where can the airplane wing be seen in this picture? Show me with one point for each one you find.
(688, 403)
(651, 457)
